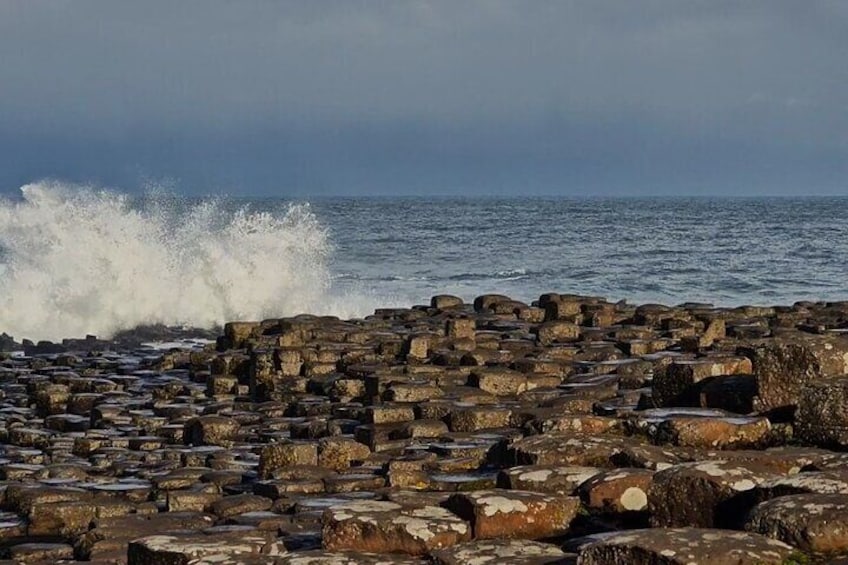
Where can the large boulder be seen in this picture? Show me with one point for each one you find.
(681, 382)
(514, 513)
(211, 430)
(179, 548)
(546, 478)
(684, 546)
(388, 527)
(704, 494)
(784, 365)
(822, 416)
(568, 449)
(286, 454)
(617, 491)
(814, 523)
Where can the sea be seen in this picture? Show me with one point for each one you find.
(77, 261)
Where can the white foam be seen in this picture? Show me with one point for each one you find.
(85, 261)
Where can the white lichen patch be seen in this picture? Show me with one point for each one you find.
(621, 539)
(459, 527)
(502, 551)
(634, 498)
(493, 504)
(416, 527)
(539, 476)
(424, 523)
(198, 546)
(712, 468)
(744, 484)
(814, 482)
(813, 508)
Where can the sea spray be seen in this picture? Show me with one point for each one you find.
(78, 261)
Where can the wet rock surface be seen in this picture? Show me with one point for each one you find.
(569, 430)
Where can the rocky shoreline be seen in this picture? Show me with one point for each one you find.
(572, 430)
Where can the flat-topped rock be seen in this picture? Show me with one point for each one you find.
(566, 448)
(813, 523)
(822, 416)
(704, 493)
(514, 513)
(678, 384)
(35, 552)
(783, 366)
(617, 491)
(546, 478)
(517, 552)
(682, 546)
(316, 557)
(703, 428)
(179, 548)
(388, 527)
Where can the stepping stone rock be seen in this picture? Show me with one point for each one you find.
(181, 548)
(822, 416)
(514, 552)
(567, 448)
(781, 460)
(211, 430)
(783, 366)
(500, 382)
(474, 418)
(815, 482)
(557, 332)
(703, 494)
(684, 546)
(514, 513)
(114, 534)
(445, 301)
(680, 383)
(72, 518)
(239, 504)
(285, 454)
(545, 478)
(41, 553)
(727, 432)
(317, 557)
(388, 527)
(337, 453)
(617, 491)
(815, 523)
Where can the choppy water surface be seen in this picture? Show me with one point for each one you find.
(78, 261)
(727, 251)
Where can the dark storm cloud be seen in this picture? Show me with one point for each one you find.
(367, 96)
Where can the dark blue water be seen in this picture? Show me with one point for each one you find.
(726, 251)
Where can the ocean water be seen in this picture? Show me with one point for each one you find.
(76, 261)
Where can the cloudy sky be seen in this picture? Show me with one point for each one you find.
(327, 97)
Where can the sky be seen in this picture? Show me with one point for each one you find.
(454, 97)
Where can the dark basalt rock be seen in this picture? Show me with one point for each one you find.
(447, 433)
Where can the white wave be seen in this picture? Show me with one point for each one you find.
(81, 261)
(511, 273)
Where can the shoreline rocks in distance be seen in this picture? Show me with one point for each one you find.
(572, 429)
